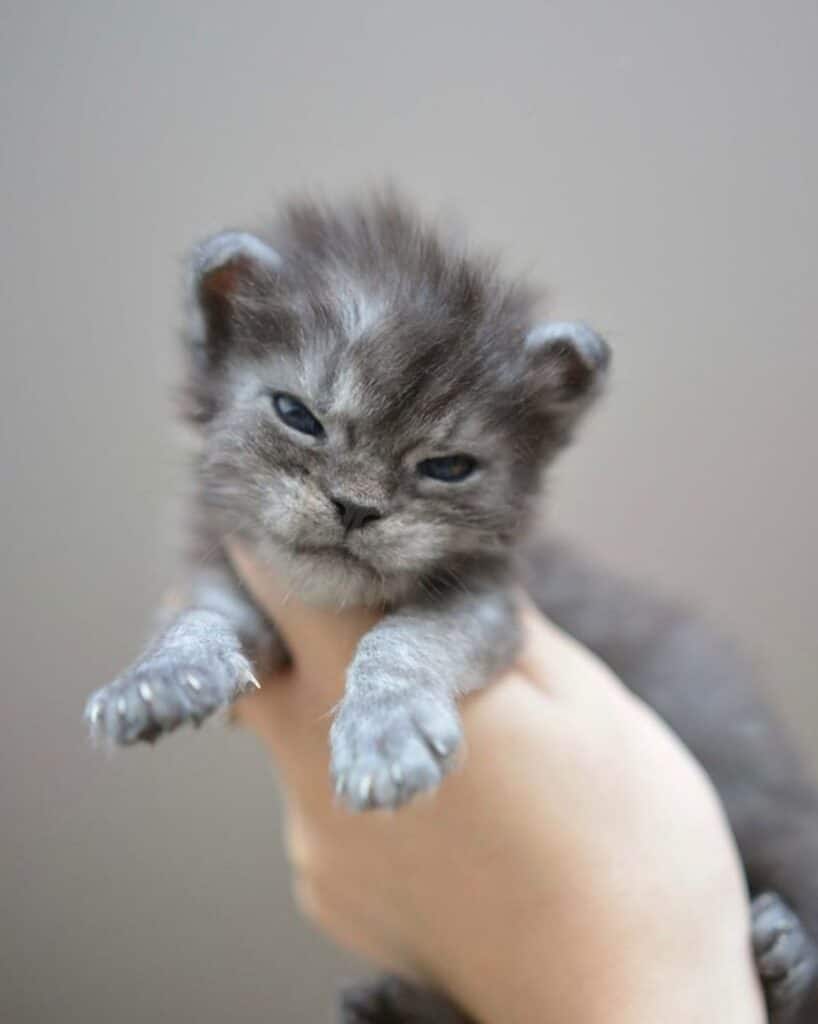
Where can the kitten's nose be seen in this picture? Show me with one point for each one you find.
(353, 516)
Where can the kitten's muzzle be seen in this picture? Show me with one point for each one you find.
(354, 516)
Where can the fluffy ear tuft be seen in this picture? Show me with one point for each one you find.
(219, 269)
(568, 362)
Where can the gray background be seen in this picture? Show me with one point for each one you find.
(656, 164)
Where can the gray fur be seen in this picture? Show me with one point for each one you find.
(404, 348)
(393, 1000)
(199, 662)
(785, 955)
(396, 732)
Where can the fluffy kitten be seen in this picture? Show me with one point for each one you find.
(376, 408)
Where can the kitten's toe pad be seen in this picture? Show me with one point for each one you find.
(385, 753)
(180, 682)
(786, 956)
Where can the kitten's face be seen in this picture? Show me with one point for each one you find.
(368, 449)
(356, 492)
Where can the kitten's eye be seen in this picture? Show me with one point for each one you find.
(448, 468)
(296, 415)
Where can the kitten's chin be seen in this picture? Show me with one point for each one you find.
(330, 576)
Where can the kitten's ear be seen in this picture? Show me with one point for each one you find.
(567, 365)
(221, 269)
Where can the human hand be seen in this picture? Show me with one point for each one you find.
(577, 866)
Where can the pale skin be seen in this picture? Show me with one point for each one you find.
(575, 867)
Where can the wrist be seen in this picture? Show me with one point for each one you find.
(614, 966)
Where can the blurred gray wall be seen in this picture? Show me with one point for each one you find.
(655, 164)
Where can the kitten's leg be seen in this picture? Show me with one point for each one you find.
(397, 729)
(786, 957)
(199, 662)
(391, 1000)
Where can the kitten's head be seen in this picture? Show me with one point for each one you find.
(376, 407)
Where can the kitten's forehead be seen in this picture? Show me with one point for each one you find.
(377, 386)
(357, 397)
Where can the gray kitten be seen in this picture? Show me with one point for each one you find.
(376, 409)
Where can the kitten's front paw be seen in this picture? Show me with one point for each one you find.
(385, 750)
(183, 680)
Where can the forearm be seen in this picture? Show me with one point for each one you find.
(397, 730)
(583, 946)
(449, 647)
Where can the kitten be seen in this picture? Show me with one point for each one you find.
(376, 408)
